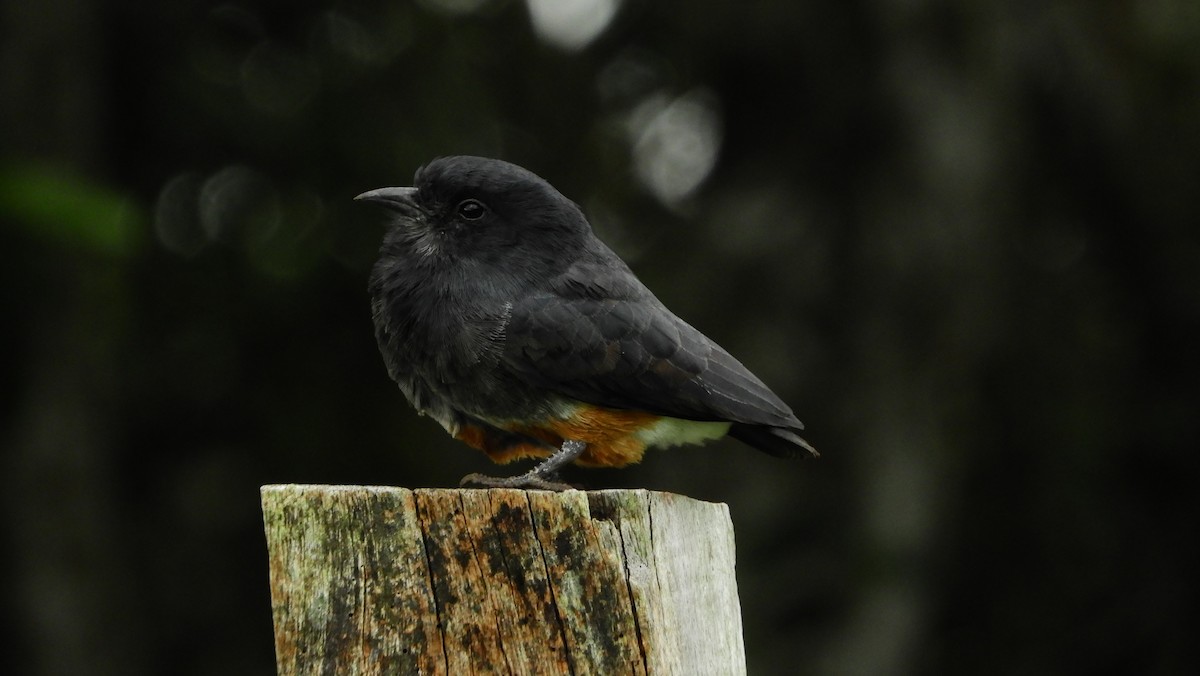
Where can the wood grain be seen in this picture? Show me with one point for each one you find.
(374, 580)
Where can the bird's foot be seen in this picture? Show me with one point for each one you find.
(544, 477)
(528, 481)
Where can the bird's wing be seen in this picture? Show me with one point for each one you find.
(599, 336)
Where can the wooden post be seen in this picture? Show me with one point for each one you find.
(369, 580)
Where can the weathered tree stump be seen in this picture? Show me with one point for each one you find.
(369, 580)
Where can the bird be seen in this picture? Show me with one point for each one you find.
(502, 316)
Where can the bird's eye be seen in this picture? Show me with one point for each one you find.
(471, 210)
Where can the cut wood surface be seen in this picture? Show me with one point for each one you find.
(374, 580)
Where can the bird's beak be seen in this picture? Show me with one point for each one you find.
(403, 200)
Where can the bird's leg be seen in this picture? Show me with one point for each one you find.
(543, 477)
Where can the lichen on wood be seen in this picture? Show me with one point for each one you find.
(370, 580)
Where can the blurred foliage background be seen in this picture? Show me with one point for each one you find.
(960, 238)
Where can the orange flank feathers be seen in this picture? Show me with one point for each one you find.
(611, 436)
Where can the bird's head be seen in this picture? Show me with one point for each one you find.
(480, 209)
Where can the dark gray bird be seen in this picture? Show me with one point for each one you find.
(502, 316)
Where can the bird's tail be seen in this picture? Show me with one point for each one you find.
(776, 441)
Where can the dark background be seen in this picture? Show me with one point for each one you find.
(961, 239)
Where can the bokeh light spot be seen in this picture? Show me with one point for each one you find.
(176, 216)
(237, 204)
(675, 143)
(278, 81)
(571, 24)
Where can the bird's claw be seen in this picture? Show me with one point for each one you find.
(529, 481)
(541, 478)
